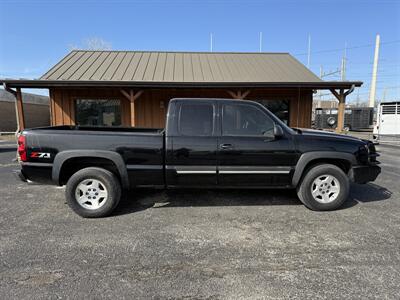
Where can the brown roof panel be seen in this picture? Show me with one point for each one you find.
(160, 67)
(112, 68)
(95, 66)
(130, 71)
(139, 74)
(180, 67)
(104, 66)
(74, 67)
(122, 68)
(151, 67)
(187, 67)
(85, 66)
(169, 68)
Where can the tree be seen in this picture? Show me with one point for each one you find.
(92, 43)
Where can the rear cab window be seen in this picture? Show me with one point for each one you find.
(196, 119)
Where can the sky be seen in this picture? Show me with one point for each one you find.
(36, 34)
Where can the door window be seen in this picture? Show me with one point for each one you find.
(246, 120)
(196, 119)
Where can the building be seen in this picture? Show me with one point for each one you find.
(133, 88)
(36, 111)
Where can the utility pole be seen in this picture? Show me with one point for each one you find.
(211, 42)
(309, 51)
(384, 94)
(344, 59)
(321, 74)
(374, 73)
(260, 41)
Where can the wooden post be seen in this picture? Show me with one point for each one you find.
(20, 110)
(341, 108)
(341, 96)
(132, 97)
(132, 103)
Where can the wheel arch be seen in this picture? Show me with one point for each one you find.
(343, 160)
(63, 158)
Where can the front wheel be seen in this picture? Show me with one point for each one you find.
(93, 192)
(324, 187)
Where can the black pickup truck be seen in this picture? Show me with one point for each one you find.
(207, 143)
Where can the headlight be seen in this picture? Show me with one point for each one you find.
(363, 153)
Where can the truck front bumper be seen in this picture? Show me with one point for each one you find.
(364, 174)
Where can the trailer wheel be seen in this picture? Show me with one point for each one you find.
(93, 192)
(331, 121)
(324, 187)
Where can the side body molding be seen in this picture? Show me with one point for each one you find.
(112, 156)
(307, 157)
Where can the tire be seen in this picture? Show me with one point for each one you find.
(324, 187)
(331, 121)
(98, 189)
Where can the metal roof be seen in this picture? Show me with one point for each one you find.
(82, 68)
(180, 67)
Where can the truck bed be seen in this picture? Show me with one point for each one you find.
(139, 148)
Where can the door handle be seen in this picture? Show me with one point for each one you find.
(226, 146)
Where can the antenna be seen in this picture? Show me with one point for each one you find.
(211, 42)
(261, 41)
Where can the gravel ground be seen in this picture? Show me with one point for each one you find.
(201, 244)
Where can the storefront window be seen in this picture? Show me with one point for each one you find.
(94, 112)
(278, 107)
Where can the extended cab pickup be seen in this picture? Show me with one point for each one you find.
(207, 143)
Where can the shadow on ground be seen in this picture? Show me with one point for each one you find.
(365, 193)
(139, 200)
(7, 149)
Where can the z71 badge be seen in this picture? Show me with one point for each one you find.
(40, 155)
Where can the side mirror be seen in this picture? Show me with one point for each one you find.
(278, 131)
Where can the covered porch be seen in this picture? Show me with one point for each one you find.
(145, 106)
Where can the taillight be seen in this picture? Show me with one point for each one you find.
(21, 148)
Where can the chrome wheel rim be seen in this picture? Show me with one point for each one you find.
(325, 188)
(91, 194)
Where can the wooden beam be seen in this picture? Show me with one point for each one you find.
(126, 94)
(20, 110)
(132, 97)
(245, 94)
(239, 94)
(335, 93)
(232, 94)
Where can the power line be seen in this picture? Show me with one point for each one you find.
(348, 48)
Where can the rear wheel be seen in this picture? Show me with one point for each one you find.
(324, 187)
(93, 192)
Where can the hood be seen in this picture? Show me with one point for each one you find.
(327, 134)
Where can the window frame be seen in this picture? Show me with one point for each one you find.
(75, 109)
(179, 108)
(244, 135)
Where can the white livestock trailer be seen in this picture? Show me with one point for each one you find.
(387, 126)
